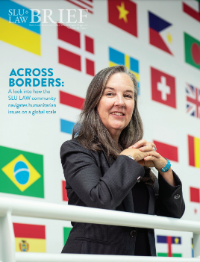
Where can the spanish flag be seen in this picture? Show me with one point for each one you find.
(194, 151)
(29, 238)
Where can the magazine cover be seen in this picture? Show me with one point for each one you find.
(49, 53)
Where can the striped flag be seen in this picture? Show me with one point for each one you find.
(118, 58)
(168, 246)
(194, 203)
(75, 50)
(192, 8)
(70, 108)
(194, 151)
(29, 238)
(83, 4)
(193, 101)
(17, 29)
(64, 191)
(166, 150)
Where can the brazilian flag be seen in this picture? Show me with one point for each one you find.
(21, 172)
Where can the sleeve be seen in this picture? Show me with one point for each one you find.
(169, 199)
(94, 188)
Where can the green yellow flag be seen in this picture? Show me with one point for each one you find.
(192, 51)
(21, 173)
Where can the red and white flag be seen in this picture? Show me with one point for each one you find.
(83, 4)
(167, 150)
(163, 88)
(195, 203)
(75, 50)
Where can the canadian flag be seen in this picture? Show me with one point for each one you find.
(75, 50)
(195, 203)
(163, 88)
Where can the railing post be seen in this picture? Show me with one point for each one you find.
(196, 244)
(7, 240)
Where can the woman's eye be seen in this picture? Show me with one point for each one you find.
(108, 94)
(129, 96)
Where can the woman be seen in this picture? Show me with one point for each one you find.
(103, 163)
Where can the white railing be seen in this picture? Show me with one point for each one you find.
(26, 208)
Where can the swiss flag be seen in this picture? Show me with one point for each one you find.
(195, 203)
(163, 88)
(64, 191)
(75, 50)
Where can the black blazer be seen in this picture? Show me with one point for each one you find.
(93, 181)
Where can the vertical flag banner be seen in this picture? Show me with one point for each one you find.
(17, 29)
(192, 100)
(166, 150)
(66, 231)
(64, 191)
(123, 14)
(194, 151)
(29, 238)
(160, 33)
(75, 50)
(163, 88)
(168, 246)
(192, 247)
(70, 108)
(83, 4)
(118, 58)
(192, 8)
(195, 203)
(21, 173)
(192, 51)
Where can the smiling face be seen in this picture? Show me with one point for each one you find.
(116, 106)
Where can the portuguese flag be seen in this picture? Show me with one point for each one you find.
(29, 238)
(192, 51)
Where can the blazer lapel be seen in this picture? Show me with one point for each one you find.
(151, 200)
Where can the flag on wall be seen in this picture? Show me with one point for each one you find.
(17, 29)
(166, 150)
(123, 14)
(75, 50)
(192, 8)
(83, 4)
(163, 88)
(118, 58)
(64, 191)
(70, 108)
(66, 231)
(192, 51)
(195, 203)
(21, 172)
(194, 151)
(29, 238)
(192, 248)
(192, 100)
(168, 246)
(160, 33)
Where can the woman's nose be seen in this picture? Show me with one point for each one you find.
(120, 100)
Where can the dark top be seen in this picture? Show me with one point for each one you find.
(141, 202)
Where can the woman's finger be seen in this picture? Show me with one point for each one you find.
(148, 158)
(152, 153)
(146, 148)
(152, 145)
(140, 143)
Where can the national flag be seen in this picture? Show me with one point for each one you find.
(64, 191)
(168, 246)
(192, 51)
(192, 100)
(21, 172)
(66, 231)
(194, 151)
(160, 33)
(194, 203)
(123, 14)
(70, 108)
(29, 238)
(163, 88)
(75, 50)
(166, 150)
(83, 4)
(118, 58)
(192, 8)
(17, 29)
(192, 247)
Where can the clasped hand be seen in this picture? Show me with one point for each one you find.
(143, 153)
